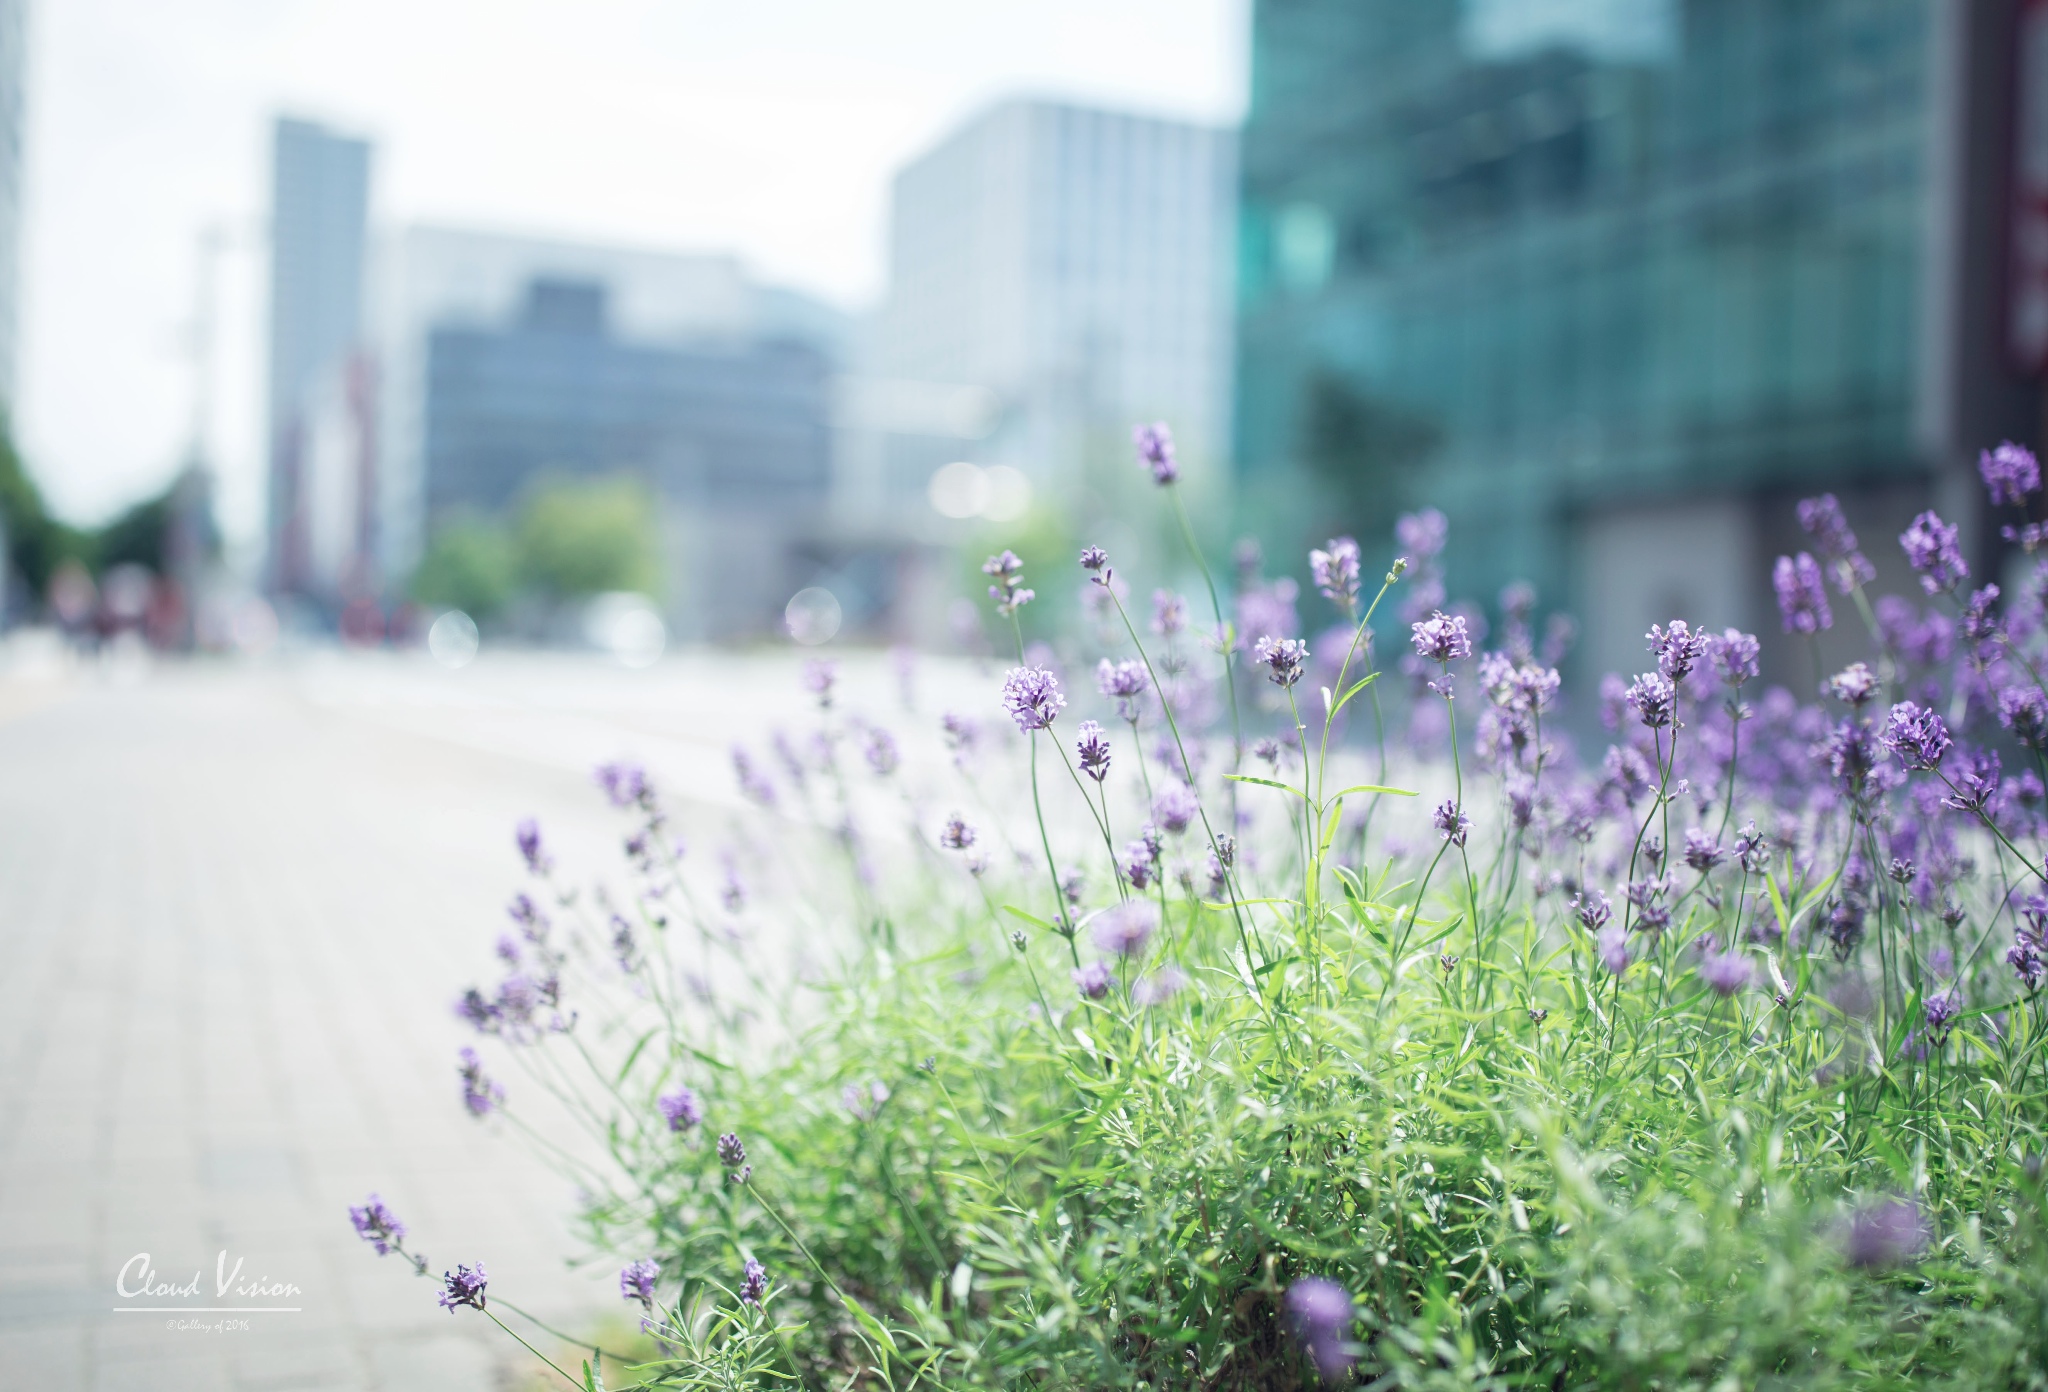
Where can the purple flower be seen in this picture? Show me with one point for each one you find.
(1653, 698)
(957, 835)
(1450, 819)
(1851, 753)
(1612, 945)
(1823, 521)
(2024, 711)
(1725, 972)
(463, 1286)
(1140, 863)
(1442, 638)
(1422, 534)
(1702, 851)
(1592, 909)
(377, 1225)
(1174, 807)
(1734, 655)
(626, 785)
(1008, 590)
(1125, 929)
(2027, 958)
(754, 1284)
(682, 1108)
(1319, 1313)
(1094, 750)
(864, 1102)
(732, 1153)
(2010, 473)
(636, 1281)
(820, 676)
(1930, 547)
(1094, 558)
(881, 751)
(1980, 622)
(1155, 450)
(1976, 784)
(1335, 572)
(538, 861)
(1915, 735)
(1169, 613)
(1093, 981)
(753, 783)
(1802, 596)
(1032, 697)
(479, 1093)
(1854, 685)
(1677, 646)
(1160, 987)
(1884, 1233)
(1940, 1013)
(1283, 656)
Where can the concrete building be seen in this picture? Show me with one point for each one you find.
(13, 110)
(1071, 268)
(1613, 282)
(321, 528)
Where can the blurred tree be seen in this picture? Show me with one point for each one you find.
(37, 543)
(1362, 453)
(137, 536)
(587, 537)
(468, 566)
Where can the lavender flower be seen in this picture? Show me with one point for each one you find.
(1940, 1013)
(682, 1108)
(1725, 972)
(1319, 1314)
(754, 1284)
(1155, 450)
(957, 835)
(1335, 572)
(1751, 849)
(1094, 750)
(1093, 981)
(1653, 698)
(1422, 534)
(1032, 697)
(1169, 613)
(1612, 945)
(1592, 909)
(626, 785)
(1976, 784)
(1174, 806)
(1450, 819)
(732, 1154)
(1702, 851)
(1734, 655)
(479, 1093)
(538, 861)
(463, 1286)
(1802, 596)
(1677, 647)
(2010, 472)
(820, 676)
(753, 783)
(864, 1102)
(1284, 658)
(1140, 863)
(1094, 559)
(1823, 521)
(2027, 958)
(1884, 1233)
(1854, 685)
(1127, 928)
(1915, 735)
(377, 1225)
(636, 1281)
(1442, 638)
(1930, 547)
(2024, 711)
(1160, 987)
(881, 751)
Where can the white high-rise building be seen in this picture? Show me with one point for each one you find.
(1076, 265)
(13, 70)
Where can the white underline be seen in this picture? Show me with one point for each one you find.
(206, 1309)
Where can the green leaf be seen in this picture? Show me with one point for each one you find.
(1376, 788)
(634, 1057)
(1267, 783)
(1035, 922)
(1368, 681)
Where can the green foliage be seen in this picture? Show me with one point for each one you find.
(1362, 455)
(1046, 542)
(469, 565)
(37, 543)
(587, 537)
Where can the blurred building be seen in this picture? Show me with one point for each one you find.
(504, 360)
(1055, 275)
(13, 73)
(320, 522)
(1612, 282)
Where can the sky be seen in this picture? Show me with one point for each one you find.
(767, 128)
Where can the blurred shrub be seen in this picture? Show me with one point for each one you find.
(586, 538)
(469, 566)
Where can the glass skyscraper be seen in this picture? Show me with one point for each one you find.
(1611, 281)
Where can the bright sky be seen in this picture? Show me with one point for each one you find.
(768, 127)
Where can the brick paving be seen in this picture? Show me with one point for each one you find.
(234, 906)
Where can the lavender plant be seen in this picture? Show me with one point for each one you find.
(1713, 1061)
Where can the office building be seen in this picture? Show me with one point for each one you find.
(1613, 282)
(320, 184)
(1071, 269)
(13, 74)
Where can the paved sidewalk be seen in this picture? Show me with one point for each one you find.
(234, 907)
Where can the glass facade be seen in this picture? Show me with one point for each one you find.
(1532, 262)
